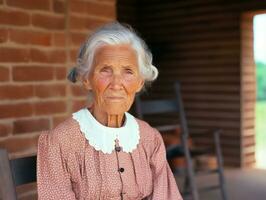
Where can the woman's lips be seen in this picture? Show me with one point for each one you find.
(115, 98)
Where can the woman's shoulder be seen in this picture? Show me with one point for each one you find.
(67, 126)
(64, 133)
(150, 138)
(147, 132)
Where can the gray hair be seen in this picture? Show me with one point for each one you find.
(113, 34)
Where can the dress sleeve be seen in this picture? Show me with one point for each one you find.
(53, 179)
(165, 186)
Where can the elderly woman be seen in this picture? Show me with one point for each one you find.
(103, 152)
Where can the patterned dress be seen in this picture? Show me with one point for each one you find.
(70, 168)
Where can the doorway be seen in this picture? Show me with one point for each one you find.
(259, 30)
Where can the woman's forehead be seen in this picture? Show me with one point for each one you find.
(115, 52)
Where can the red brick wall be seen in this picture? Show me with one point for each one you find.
(39, 40)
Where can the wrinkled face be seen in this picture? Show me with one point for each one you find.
(114, 79)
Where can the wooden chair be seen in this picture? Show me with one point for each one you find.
(15, 172)
(154, 107)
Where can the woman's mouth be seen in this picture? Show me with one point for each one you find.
(115, 98)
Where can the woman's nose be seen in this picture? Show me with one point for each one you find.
(116, 82)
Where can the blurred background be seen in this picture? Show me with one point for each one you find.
(215, 48)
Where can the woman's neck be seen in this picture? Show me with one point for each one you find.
(114, 120)
(110, 120)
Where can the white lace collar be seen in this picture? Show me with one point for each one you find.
(102, 138)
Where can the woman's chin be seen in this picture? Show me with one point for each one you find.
(116, 110)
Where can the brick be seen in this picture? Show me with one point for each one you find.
(78, 90)
(85, 23)
(30, 125)
(59, 6)
(40, 56)
(74, 55)
(51, 107)
(3, 35)
(30, 4)
(30, 37)
(59, 39)
(14, 54)
(4, 74)
(51, 90)
(93, 8)
(18, 18)
(78, 104)
(33, 73)
(16, 110)
(58, 119)
(13, 92)
(5, 129)
(48, 21)
(60, 73)
(58, 56)
(54, 56)
(77, 39)
(26, 144)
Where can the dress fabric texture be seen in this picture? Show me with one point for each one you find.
(68, 168)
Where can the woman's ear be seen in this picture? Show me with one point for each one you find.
(86, 84)
(140, 86)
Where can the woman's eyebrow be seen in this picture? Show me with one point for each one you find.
(127, 66)
(106, 65)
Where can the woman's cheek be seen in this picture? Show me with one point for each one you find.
(101, 83)
(131, 86)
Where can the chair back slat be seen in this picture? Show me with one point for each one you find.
(149, 107)
(169, 127)
(158, 106)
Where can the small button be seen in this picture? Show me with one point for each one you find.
(118, 149)
(121, 169)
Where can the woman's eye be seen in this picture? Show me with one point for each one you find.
(129, 71)
(105, 70)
